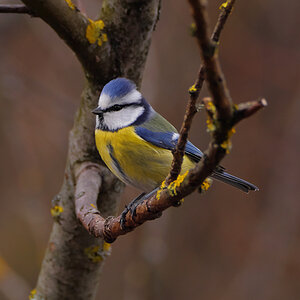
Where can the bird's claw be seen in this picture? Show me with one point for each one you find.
(131, 207)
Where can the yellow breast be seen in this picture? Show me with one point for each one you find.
(134, 160)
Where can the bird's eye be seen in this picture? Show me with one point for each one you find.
(117, 107)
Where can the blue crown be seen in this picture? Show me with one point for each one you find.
(118, 87)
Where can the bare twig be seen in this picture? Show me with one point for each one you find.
(15, 9)
(214, 76)
(194, 95)
(226, 11)
(247, 109)
(240, 111)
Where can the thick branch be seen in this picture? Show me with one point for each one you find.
(89, 180)
(71, 26)
(117, 56)
(73, 259)
(129, 32)
(15, 9)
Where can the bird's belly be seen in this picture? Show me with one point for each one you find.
(134, 160)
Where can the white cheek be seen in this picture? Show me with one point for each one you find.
(118, 119)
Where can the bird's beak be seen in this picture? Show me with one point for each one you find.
(97, 111)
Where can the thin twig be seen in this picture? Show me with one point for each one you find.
(226, 11)
(15, 9)
(194, 95)
(247, 109)
(214, 76)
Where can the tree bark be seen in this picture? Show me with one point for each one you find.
(73, 259)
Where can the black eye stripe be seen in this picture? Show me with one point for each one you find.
(118, 107)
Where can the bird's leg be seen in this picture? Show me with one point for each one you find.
(131, 207)
(135, 202)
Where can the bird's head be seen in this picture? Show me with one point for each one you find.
(120, 105)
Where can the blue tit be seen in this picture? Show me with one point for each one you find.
(136, 143)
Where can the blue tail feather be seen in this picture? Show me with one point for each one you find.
(234, 181)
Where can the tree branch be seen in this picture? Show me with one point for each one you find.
(223, 115)
(73, 260)
(111, 55)
(194, 95)
(247, 109)
(71, 25)
(89, 181)
(15, 9)
(214, 76)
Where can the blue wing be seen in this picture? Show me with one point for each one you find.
(168, 140)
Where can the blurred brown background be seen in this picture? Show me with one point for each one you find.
(223, 245)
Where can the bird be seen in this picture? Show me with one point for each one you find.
(136, 143)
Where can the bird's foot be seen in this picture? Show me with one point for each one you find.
(131, 207)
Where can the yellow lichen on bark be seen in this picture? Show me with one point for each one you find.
(224, 5)
(206, 184)
(211, 107)
(93, 253)
(211, 116)
(70, 4)
(162, 187)
(192, 89)
(172, 187)
(32, 295)
(94, 32)
(106, 247)
(227, 145)
(210, 125)
(56, 210)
